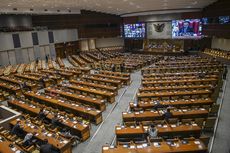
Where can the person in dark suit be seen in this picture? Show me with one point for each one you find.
(42, 114)
(47, 148)
(55, 121)
(167, 115)
(17, 130)
(186, 29)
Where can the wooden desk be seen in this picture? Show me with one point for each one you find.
(168, 130)
(53, 77)
(94, 116)
(60, 62)
(158, 115)
(184, 87)
(191, 147)
(93, 102)
(77, 128)
(175, 103)
(124, 80)
(115, 83)
(65, 75)
(31, 86)
(178, 78)
(173, 130)
(59, 142)
(115, 73)
(173, 93)
(179, 74)
(130, 133)
(109, 96)
(4, 147)
(10, 88)
(187, 82)
(96, 86)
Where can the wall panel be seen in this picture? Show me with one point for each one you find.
(12, 57)
(31, 54)
(4, 60)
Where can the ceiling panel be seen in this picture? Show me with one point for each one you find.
(108, 6)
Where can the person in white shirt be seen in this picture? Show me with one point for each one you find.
(152, 131)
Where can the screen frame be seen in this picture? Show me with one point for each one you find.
(189, 37)
(145, 36)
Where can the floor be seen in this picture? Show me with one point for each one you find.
(104, 133)
(222, 136)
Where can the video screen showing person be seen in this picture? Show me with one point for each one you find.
(134, 30)
(187, 29)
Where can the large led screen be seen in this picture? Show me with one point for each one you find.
(187, 29)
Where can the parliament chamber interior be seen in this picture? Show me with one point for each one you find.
(106, 76)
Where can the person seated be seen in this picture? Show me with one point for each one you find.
(17, 130)
(67, 134)
(28, 139)
(47, 148)
(152, 131)
(42, 114)
(167, 115)
(55, 121)
(157, 105)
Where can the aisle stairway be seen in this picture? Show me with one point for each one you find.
(221, 142)
(104, 133)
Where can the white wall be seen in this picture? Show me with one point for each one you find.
(26, 39)
(109, 42)
(28, 52)
(43, 38)
(221, 43)
(65, 35)
(6, 41)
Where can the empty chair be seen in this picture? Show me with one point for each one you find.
(124, 142)
(189, 139)
(186, 121)
(199, 122)
(151, 140)
(165, 98)
(131, 123)
(173, 121)
(147, 123)
(207, 107)
(209, 124)
(205, 140)
(214, 110)
(156, 122)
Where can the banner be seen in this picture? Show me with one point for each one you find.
(159, 30)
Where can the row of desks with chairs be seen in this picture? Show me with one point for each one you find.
(77, 125)
(187, 91)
